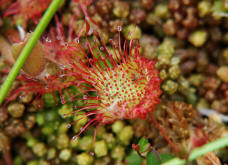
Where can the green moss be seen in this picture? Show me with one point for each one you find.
(84, 159)
(126, 135)
(49, 100)
(132, 32)
(170, 87)
(62, 141)
(198, 38)
(39, 149)
(65, 154)
(100, 148)
(85, 143)
(117, 126)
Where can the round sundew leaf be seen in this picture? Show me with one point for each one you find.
(35, 63)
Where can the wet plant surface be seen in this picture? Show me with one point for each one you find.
(115, 82)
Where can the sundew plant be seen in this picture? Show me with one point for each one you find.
(115, 82)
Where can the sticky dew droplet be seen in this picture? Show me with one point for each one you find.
(119, 28)
(76, 40)
(68, 126)
(90, 60)
(101, 48)
(74, 138)
(47, 39)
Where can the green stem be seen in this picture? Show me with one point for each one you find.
(28, 48)
(209, 147)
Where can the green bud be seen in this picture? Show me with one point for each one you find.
(51, 154)
(47, 129)
(126, 134)
(103, 161)
(196, 79)
(39, 149)
(120, 9)
(65, 155)
(152, 19)
(110, 140)
(49, 100)
(162, 74)
(100, 148)
(162, 11)
(74, 143)
(204, 8)
(85, 143)
(175, 61)
(101, 131)
(117, 126)
(44, 162)
(191, 98)
(63, 128)
(51, 115)
(132, 32)
(222, 73)
(16, 110)
(84, 159)
(33, 162)
(18, 161)
(118, 153)
(80, 123)
(62, 141)
(170, 87)
(203, 104)
(65, 109)
(40, 119)
(225, 54)
(167, 47)
(174, 72)
(51, 139)
(198, 38)
(31, 142)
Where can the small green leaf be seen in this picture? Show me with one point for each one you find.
(152, 159)
(143, 143)
(134, 159)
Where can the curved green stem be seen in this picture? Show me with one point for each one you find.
(28, 48)
(209, 147)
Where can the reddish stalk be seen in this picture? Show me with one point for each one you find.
(162, 131)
